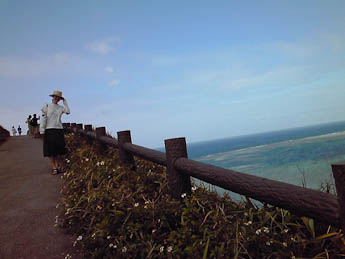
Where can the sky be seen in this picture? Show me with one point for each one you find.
(165, 69)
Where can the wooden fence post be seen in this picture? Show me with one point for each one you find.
(338, 170)
(67, 127)
(73, 126)
(88, 128)
(79, 127)
(178, 182)
(99, 133)
(125, 156)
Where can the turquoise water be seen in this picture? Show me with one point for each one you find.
(302, 159)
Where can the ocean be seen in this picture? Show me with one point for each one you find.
(300, 156)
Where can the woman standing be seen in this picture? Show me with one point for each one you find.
(14, 131)
(54, 141)
(28, 121)
(19, 130)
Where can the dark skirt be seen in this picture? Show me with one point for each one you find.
(54, 142)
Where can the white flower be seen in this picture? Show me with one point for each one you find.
(286, 230)
(68, 256)
(67, 161)
(248, 223)
(136, 204)
(183, 195)
(100, 163)
(124, 249)
(258, 231)
(80, 238)
(268, 243)
(194, 188)
(266, 230)
(147, 202)
(108, 237)
(68, 211)
(169, 249)
(86, 159)
(153, 231)
(161, 249)
(285, 244)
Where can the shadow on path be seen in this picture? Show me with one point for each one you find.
(28, 196)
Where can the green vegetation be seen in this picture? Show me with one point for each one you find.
(115, 212)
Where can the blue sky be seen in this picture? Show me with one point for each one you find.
(163, 69)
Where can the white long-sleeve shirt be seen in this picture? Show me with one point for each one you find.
(54, 112)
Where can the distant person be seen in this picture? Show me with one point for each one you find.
(19, 130)
(51, 126)
(34, 125)
(28, 121)
(14, 131)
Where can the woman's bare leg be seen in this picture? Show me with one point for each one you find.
(53, 161)
(59, 162)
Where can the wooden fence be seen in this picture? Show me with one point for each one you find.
(321, 206)
(4, 134)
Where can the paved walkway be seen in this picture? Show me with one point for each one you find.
(28, 196)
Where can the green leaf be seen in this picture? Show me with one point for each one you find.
(309, 223)
(206, 249)
(327, 235)
(207, 215)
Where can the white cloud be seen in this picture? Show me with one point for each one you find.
(332, 41)
(322, 44)
(102, 47)
(109, 69)
(279, 65)
(278, 77)
(166, 60)
(45, 66)
(36, 66)
(293, 50)
(114, 82)
(55, 64)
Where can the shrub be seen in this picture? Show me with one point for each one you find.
(115, 212)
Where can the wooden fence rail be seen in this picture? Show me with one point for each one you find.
(324, 207)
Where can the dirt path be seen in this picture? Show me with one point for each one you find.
(28, 196)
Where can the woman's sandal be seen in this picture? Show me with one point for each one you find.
(61, 171)
(55, 171)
